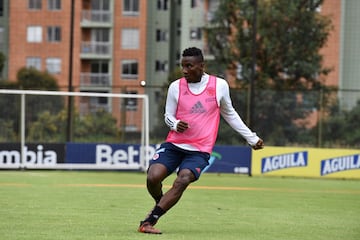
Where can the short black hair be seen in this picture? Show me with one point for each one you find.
(193, 52)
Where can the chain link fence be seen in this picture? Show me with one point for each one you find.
(322, 118)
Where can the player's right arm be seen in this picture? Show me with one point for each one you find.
(170, 109)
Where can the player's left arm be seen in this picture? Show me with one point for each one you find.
(233, 118)
(258, 145)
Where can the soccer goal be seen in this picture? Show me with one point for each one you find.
(73, 130)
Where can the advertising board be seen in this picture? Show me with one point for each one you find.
(306, 162)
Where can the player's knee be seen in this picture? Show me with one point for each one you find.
(155, 175)
(152, 179)
(183, 180)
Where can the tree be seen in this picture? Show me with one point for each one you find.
(2, 63)
(48, 127)
(286, 68)
(29, 79)
(340, 128)
(94, 127)
(32, 79)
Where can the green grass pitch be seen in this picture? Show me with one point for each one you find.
(109, 205)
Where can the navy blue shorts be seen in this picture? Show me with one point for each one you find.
(174, 158)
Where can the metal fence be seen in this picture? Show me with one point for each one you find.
(58, 117)
(288, 118)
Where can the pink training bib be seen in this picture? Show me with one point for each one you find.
(201, 112)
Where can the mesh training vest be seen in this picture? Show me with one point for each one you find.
(201, 112)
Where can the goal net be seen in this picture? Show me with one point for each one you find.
(74, 130)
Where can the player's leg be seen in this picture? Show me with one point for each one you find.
(156, 174)
(171, 197)
(190, 164)
(190, 169)
(165, 161)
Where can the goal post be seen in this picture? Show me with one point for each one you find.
(114, 105)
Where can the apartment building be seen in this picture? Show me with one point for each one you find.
(341, 53)
(4, 33)
(91, 45)
(173, 25)
(349, 57)
(114, 45)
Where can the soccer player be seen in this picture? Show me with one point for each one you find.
(192, 112)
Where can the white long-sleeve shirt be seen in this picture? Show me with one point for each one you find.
(224, 101)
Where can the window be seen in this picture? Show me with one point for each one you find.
(131, 103)
(99, 74)
(1, 8)
(193, 3)
(2, 37)
(129, 69)
(34, 4)
(100, 35)
(100, 38)
(98, 103)
(162, 4)
(161, 66)
(33, 62)
(100, 11)
(131, 7)
(100, 67)
(161, 35)
(195, 34)
(102, 5)
(53, 65)
(159, 96)
(54, 34)
(34, 34)
(130, 38)
(54, 4)
(178, 28)
(239, 71)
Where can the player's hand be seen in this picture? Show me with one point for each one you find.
(258, 145)
(182, 126)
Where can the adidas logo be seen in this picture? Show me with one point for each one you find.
(198, 108)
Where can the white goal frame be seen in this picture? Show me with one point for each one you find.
(144, 143)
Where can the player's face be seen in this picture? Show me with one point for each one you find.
(192, 69)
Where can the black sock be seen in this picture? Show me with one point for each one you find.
(155, 214)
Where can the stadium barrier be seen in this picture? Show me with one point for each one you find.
(306, 162)
(109, 156)
(270, 161)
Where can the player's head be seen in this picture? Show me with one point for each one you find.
(192, 64)
(193, 52)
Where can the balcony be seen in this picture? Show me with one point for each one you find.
(96, 18)
(95, 80)
(95, 50)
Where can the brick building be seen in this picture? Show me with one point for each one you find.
(119, 43)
